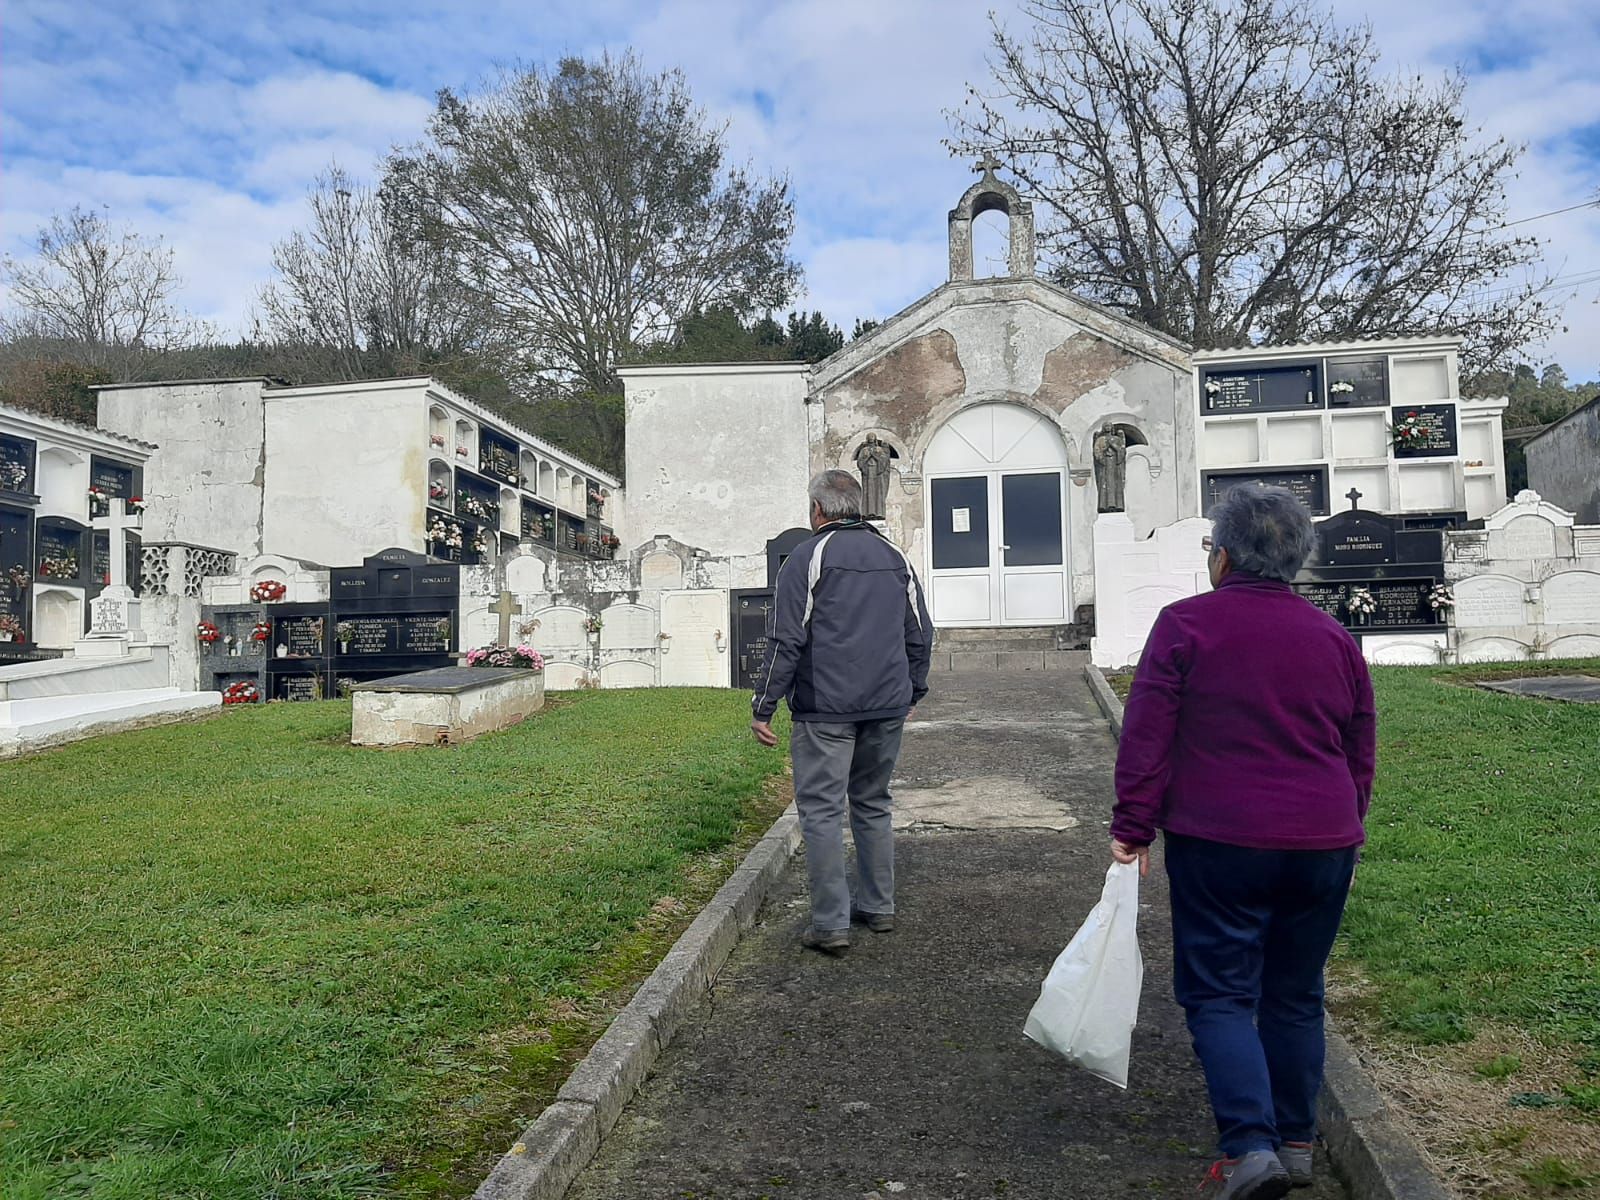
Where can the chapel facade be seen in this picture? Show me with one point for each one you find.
(996, 416)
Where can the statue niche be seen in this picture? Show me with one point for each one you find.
(1110, 454)
(873, 460)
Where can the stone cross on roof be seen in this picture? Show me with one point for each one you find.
(505, 608)
(988, 164)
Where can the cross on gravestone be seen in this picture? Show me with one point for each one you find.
(988, 164)
(117, 522)
(1352, 495)
(505, 608)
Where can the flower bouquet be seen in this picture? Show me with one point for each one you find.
(1440, 598)
(438, 491)
(19, 578)
(261, 632)
(593, 626)
(12, 476)
(10, 628)
(267, 591)
(65, 567)
(1409, 432)
(243, 692)
(436, 439)
(207, 633)
(523, 656)
(1361, 603)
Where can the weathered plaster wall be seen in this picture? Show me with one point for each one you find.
(1020, 342)
(346, 474)
(1564, 464)
(204, 483)
(717, 455)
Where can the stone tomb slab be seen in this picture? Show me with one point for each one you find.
(1580, 689)
(442, 706)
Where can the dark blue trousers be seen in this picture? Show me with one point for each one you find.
(1251, 932)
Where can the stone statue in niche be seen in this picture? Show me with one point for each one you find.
(872, 460)
(1111, 468)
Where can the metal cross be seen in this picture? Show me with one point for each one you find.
(505, 608)
(988, 164)
(1352, 495)
(117, 522)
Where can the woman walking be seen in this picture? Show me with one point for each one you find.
(1249, 739)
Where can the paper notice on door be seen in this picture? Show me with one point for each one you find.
(960, 520)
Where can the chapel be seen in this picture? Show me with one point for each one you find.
(974, 416)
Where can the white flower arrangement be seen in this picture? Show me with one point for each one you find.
(1440, 597)
(1341, 387)
(444, 533)
(1361, 602)
(1212, 387)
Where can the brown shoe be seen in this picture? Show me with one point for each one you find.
(877, 922)
(831, 941)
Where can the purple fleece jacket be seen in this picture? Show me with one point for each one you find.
(1250, 722)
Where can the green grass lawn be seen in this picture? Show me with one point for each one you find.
(1478, 897)
(243, 959)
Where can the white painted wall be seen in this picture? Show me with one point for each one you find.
(347, 472)
(203, 485)
(718, 456)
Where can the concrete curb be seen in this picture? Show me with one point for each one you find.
(1377, 1159)
(551, 1152)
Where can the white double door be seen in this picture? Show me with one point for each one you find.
(996, 508)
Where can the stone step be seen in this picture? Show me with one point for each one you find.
(962, 660)
(53, 720)
(1001, 638)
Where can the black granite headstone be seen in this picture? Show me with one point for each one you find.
(17, 456)
(1358, 383)
(1261, 389)
(1355, 539)
(111, 477)
(1309, 485)
(497, 457)
(1438, 425)
(751, 619)
(779, 549)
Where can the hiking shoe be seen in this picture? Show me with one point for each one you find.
(1256, 1176)
(1296, 1159)
(828, 941)
(877, 922)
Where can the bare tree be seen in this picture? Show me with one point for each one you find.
(591, 208)
(359, 295)
(105, 297)
(1238, 170)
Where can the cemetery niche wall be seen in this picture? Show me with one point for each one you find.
(1382, 417)
(62, 487)
(396, 613)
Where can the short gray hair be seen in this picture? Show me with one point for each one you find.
(838, 495)
(1265, 531)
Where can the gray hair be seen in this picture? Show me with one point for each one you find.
(1265, 531)
(838, 495)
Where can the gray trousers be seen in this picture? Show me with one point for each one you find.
(839, 767)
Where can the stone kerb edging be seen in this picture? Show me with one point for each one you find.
(551, 1152)
(1368, 1148)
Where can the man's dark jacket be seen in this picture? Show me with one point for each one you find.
(851, 637)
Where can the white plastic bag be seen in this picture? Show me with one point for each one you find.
(1090, 1000)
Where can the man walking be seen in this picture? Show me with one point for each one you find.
(849, 652)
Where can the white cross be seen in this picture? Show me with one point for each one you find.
(117, 522)
(505, 608)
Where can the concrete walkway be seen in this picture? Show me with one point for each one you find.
(901, 1069)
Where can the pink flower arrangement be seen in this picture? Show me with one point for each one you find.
(523, 656)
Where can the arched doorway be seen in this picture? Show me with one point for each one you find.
(997, 495)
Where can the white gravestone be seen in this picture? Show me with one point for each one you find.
(1490, 600)
(694, 653)
(525, 575)
(1525, 537)
(628, 673)
(660, 570)
(1572, 598)
(561, 628)
(628, 627)
(564, 676)
(1135, 578)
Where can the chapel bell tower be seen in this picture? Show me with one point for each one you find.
(987, 195)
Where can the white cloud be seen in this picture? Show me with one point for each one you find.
(205, 125)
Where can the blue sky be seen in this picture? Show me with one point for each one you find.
(204, 122)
